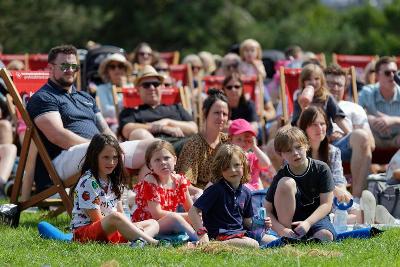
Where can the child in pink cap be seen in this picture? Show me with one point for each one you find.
(242, 134)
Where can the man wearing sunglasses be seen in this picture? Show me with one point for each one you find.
(382, 103)
(67, 119)
(153, 119)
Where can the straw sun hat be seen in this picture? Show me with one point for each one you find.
(113, 58)
(148, 71)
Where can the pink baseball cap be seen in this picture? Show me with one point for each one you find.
(239, 126)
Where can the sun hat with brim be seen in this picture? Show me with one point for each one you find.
(239, 126)
(147, 72)
(116, 58)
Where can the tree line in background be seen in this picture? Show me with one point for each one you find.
(34, 26)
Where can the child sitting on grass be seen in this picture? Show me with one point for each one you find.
(242, 134)
(300, 196)
(97, 214)
(162, 191)
(226, 207)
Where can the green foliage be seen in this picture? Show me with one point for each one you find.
(191, 26)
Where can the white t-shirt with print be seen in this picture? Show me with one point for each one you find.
(89, 194)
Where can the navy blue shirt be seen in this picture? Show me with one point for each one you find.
(77, 110)
(224, 208)
(246, 111)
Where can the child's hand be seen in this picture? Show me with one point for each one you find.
(254, 143)
(288, 233)
(268, 223)
(301, 228)
(204, 239)
(342, 194)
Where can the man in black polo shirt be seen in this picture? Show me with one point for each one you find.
(67, 119)
(153, 119)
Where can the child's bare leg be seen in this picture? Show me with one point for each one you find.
(242, 242)
(119, 222)
(324, 235)
(8, 152)
(175, 223)
(150, 227)
(285, 201)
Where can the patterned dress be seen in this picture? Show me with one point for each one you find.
(169, 198)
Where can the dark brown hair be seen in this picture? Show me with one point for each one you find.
(62, 49)
(383, 61)
(307, 117)
(91, 161)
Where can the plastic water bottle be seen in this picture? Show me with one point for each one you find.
(125, 203)
(340, 219)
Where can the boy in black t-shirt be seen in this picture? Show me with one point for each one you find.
(300, 197)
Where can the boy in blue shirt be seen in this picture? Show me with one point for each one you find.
(300, 196)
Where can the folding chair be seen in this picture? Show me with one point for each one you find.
(358, 61)
(131, 97)
(7, 58)
(37, 62)
(182, 74)
(172, 57)
(321, 58)
(33, 134)
(289, 83)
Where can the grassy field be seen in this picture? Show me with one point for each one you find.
(23, 247)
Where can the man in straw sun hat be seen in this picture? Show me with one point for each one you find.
(153, 119)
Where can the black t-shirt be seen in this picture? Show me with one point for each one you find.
(329, 106)
(246, 111)
(145, 114)
(315, 180)
(224, 208)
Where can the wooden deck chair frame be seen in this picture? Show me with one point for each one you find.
(32, 133)
(175, 57)
(283, 94)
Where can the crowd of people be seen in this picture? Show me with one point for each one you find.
(199, 179)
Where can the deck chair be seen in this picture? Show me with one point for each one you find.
(131, 97)
(182, 74)
(37, 62)
(171, 57)
(358, 61)
(7, 58)
(289, 83)
(32, 133)
(321, 58)
(398, 61)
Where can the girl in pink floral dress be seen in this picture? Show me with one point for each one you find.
(162, 191)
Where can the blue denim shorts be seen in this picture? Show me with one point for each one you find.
(323, 224)
(344, 145)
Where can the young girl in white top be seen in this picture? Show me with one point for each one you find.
(97, 214)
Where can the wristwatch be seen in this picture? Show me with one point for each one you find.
(201, 231)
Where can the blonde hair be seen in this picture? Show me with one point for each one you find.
(320, 94)
(250, 43)
(287, 136)
(223, 159)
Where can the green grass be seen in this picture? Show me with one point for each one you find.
(22, 246)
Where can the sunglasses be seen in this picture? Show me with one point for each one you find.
(147, 85)
(66, 66)
(116, 66)
(144, 54)
(162, 69)
(196, 67)
(388, 72)
(167, 84)
(232, 66)
(230, 87)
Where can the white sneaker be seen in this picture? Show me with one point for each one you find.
(368, 205)
(383, 216)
